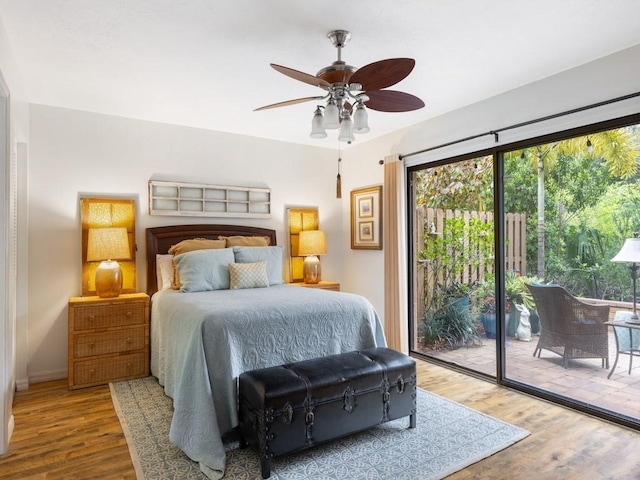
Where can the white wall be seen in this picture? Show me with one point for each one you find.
(75, 154)
(12, 321)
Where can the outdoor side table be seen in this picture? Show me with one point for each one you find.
(627, 337)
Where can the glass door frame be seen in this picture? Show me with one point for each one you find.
(498, 168)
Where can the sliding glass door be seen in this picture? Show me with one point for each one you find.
(581, 198)
(515, 272)
(452, 266)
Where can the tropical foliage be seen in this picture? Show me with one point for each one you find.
(581, 197)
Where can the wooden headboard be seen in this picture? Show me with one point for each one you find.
(160, 239)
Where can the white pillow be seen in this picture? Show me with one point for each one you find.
(164, 271)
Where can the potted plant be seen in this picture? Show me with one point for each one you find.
(446, 297)
(488, 314)
(485, 300)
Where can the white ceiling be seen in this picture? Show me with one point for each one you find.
(205, 63)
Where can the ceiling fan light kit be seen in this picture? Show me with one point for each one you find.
(346, 127)
(348, 87)
(317, 127)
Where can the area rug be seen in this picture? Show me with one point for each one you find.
(448, 437)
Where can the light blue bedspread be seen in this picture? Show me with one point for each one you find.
(201, 342)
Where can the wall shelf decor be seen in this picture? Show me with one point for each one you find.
(200, 200)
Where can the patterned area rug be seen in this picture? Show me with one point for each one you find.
(448, 437)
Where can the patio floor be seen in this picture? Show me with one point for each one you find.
(583, 380)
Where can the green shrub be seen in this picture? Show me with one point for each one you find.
(453, 326)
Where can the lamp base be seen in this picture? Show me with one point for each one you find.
(311, 269)
(108, 279)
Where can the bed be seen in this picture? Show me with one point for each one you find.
(202, 340)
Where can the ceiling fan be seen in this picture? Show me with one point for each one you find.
(348, 88)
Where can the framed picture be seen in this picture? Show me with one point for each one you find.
(366, 218)
(365, 207)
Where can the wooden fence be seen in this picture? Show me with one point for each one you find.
(432, 222)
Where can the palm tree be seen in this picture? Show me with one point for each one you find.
(616, 147)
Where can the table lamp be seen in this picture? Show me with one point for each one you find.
(630, 253)
(311, 243)
(107, 245)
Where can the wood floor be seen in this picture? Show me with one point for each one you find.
(76, 435)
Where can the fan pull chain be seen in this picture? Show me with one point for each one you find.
(339, 181)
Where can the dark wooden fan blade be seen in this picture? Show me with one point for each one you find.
(301, 76)
(288, 102)
(393, 101)
(383, 74)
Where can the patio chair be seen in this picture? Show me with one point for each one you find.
(570, 327)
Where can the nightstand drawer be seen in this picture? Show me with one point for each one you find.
(110, 369)
(109, 315)
(108, 339)
(123, 340)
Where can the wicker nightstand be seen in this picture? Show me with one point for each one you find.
(335, 286)
(108, 339)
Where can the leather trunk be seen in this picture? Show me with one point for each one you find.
(291, 407)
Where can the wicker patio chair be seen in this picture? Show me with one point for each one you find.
(570, 327)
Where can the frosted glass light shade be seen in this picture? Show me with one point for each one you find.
(346, 134)
(331, 116)
(317, 128)
(360, 120)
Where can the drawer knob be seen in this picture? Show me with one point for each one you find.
(129, 340)
(92, 345)
(92, 372)
(129, 314)
(92, 317)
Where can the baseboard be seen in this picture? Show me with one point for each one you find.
(47, 376)
(10, 427)
(22, 384)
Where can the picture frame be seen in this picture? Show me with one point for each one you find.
(366, 218)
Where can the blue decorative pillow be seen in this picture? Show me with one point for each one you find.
(202, 270)
(271, 255)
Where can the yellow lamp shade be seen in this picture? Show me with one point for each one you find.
(312, 242)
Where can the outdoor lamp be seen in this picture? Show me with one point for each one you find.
(107, 245)
(311, 243)
(630, 253)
